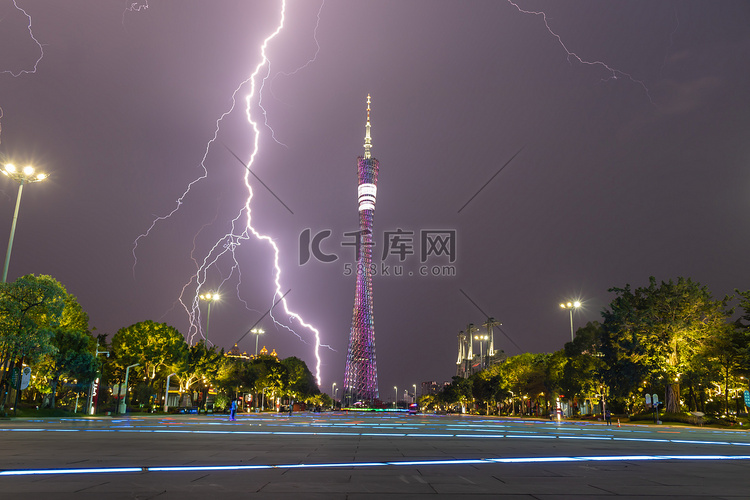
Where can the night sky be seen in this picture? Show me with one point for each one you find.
(622, 174)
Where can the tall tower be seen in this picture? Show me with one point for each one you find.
(361, 377)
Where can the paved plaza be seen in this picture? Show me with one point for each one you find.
(366, 456)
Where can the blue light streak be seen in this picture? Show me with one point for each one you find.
(401, 463)
(101, 470)
(318, 430)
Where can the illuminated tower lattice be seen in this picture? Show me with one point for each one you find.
(361, 378)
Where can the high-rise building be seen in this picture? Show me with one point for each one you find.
(361, 377)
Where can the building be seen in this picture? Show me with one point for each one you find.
(361, 376)
(473, 359)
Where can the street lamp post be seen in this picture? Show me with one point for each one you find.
(26, 176)
(124, 403)
(166, 393)
(90, 405)
(209, 297)
(395, 400)
(258, 332)
(333, 390)
(570, 306)
(415, 392)
(481, 339)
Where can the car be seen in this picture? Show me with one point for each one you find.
(413, 409)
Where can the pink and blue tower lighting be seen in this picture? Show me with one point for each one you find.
(361, 378)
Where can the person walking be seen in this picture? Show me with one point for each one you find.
(608, 416)
(233, 410)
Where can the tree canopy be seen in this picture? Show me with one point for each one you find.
(153, 345)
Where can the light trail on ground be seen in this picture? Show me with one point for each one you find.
(346, 465)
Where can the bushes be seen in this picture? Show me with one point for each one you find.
(221, 402)
(687, 418)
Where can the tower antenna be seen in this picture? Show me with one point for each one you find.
(368, 139)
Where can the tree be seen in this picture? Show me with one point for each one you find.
(30, 309)
(271, 377)
(484, 388)
(728, 351)
(655, 331)
(743, 325)
(300, 383)
(234, 373)
(457, 392)
(153, 345)
(196, 363)
(524, 375)
(582, 373)
(73, 355)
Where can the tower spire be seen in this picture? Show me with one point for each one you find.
(368, 139)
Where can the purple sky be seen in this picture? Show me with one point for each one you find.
(618, 179)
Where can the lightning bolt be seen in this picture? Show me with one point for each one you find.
(281, 73)
(248, 110)
(614, 74)
(134, 7)
(16, 74)
(241, 227)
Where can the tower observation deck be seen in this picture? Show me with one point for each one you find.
(361, 377)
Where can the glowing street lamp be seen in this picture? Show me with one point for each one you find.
(333, 390)
(25, 176)
(258, 332)
(395, 401)
(481, 338)
(570, 306)
(209, 297)
(415, 392)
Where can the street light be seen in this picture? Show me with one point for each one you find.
(570, 306)
(26, 176)
(481, 338)
(124, 403)
(209, 297)
(415, 392)
(94, 382)
(333, 391)
(395, 401)
(258, 332)
(166, 393)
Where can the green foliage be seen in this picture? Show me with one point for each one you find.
(524, 374)
(234, 374)
(577, 370)
(196, 363)
(657, 331)
(31, 308)
(457, 392)
(221, 402)
(300, 382)
(153, 345)
(288, 377)
(73, 356)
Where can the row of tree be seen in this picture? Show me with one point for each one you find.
(44, 328)
(671, 338)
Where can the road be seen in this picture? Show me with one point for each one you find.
(366, 456)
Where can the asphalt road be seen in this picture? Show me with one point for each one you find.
(366, 456)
